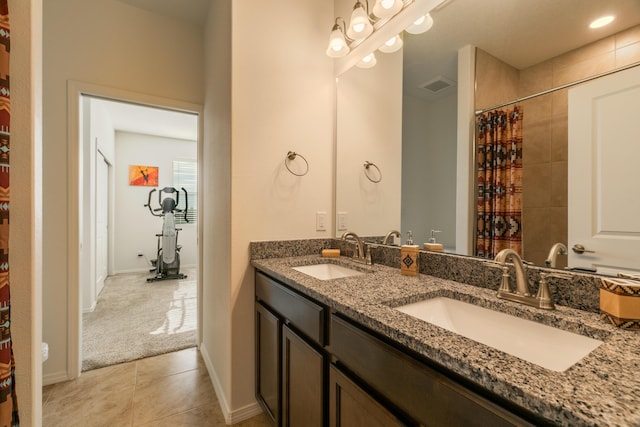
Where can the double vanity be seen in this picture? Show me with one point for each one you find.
(343, 343)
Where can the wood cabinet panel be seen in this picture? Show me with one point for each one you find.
(303, 374)
(268, 368)
(350, 406)
(421, 392)
(309, 317)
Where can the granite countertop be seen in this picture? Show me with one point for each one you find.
(601, 389)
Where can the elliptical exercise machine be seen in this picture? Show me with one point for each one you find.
(167, 263)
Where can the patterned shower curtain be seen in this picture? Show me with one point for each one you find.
(499, 180)
(8, 401)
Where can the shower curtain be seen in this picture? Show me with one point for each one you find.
(8, 402)
(499, 180)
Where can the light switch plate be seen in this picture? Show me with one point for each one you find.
(343, 221)
(321, 221)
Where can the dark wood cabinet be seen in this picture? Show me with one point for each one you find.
(291, 364)
(350, 406)
(357, 377)
(423, 393)
(268, 347)
(303, 373)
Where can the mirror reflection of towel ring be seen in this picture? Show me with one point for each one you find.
(367, 165)
(291, 155)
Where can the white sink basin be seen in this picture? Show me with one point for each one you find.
(546, 346)
(327, 271)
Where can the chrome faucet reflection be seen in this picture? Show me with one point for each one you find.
(556, 249)
(395, 233)
(359, 254)
(522, 294)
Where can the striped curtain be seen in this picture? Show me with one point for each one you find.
(8, 402)
(499, 180)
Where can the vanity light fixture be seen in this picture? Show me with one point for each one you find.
(384, 8)
(391, 45)
(421, 25)
(601, 22)
(363, 24)
(367, 62)
(338, 46)
(360, 25)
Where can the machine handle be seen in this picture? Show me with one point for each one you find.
(579, 249)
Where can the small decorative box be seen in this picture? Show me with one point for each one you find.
(620, 302)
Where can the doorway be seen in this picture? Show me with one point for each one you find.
(96, 182)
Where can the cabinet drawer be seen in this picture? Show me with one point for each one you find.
(307, 316)
(421, 392)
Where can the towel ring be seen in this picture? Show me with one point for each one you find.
(367, 165)
(291, 155)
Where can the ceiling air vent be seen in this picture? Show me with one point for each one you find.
(438, 85)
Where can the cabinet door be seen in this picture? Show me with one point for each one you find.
(302, 382)
(350, 406)
(268, 362)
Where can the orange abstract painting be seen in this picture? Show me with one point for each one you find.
(143, 175)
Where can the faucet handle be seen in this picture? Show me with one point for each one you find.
(505, 285)
(544, 295)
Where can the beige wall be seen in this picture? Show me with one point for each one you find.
(216, 200)
(545, 128)
(107, 43)
(26, 207)
(369, 128)
(268, 91)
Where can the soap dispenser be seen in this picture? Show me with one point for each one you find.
(433, 245)
(409, 257)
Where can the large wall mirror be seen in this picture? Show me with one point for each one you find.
(404, 116)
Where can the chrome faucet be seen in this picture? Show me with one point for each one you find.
(385, 241)
(522, 294)
(359, 255)
(556, 249)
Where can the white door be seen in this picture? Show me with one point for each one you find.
(604, 173)
(102, 220)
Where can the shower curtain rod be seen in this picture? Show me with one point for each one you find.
(564, 86)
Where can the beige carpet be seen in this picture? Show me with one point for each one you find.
(134, 319)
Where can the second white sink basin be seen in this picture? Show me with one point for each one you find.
(327, 271)
(546, 346)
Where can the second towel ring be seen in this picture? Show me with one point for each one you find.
(291, 155)
(367, 165)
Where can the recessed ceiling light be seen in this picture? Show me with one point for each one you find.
(601, 22)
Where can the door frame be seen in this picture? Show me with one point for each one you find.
(75, 91)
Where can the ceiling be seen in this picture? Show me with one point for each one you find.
(134, 118)
(519, 32)
(191, 11)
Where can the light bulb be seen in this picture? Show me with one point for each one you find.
(360, 26)
(391, 45)
(384, 8)
(420, 25)
(367, 62)
(337, 44)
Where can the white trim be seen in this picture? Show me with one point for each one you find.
(75, 90)
(230, 417)
(465, 190)
(54, 378)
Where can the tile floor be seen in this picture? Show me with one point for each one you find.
(172, 389)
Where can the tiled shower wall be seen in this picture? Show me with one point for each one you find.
(545, 127)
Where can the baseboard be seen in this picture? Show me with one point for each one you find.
(90, 309)
(134, 270)
(54, 378)
(230, 417)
